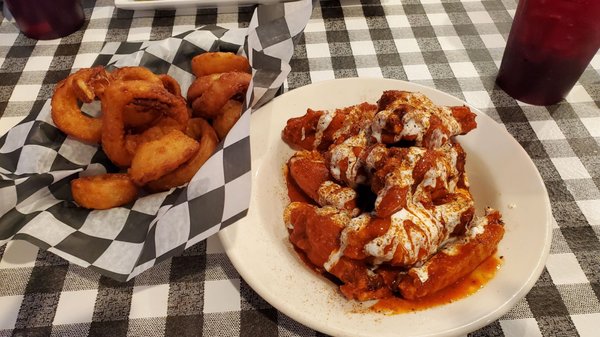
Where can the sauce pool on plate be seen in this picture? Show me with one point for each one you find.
(464, 287)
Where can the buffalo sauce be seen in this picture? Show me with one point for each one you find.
(464, 287)
(293, 190)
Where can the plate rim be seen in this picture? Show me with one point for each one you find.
(465, 328)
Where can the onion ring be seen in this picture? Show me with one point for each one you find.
(170, 84)
(135, 73)
(200, 130)
(66, 113)
(88, 89)
(152, 133)
(103, 191)
(200, 85)
(136, 117)
(156, 158)
(228, 115)
(218, 62)
(220, 91)
(121, 94)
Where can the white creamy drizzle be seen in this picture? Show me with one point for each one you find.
(334, 169)
(380, 248)
(430, 178)
(324, 121)
(431, 227)
(476, 227)
(444, 173)
(454, 173)
(335, 195)
(303, 134)
(402, 176)
(415, 124)
(376, 154)
(379, 123)
(453, 156)
(355, 116)
(448, 172)
(396, 233)
(438, 138)
(451, 246)
(451, 212)
(418, 100)
(425, 235)
(354, 225)
(414, 99)
(343, 151)
(445, 114)
(335, 214)
(421, 272)
(442, 219)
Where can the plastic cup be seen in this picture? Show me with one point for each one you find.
(47, 19)
(550, 44)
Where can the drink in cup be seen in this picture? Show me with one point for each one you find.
(550, 44)
(47, 19)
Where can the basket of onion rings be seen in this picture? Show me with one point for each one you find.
(145, 152)
(158, 138)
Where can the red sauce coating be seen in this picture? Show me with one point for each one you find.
(294, 191)
(390, 252)
(394, 304)
(461, 289)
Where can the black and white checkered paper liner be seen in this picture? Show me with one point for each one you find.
(37, 161)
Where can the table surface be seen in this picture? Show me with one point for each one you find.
(454, 46)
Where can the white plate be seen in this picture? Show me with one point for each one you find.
(501, 175)
(174, 4)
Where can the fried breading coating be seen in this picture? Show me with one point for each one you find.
(66, 112)
(141, 93)
(200, 130)
(227, 117)
(156, 158)
(103, 191)
(227, 86)
(218, 62)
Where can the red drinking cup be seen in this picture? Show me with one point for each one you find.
(47, 19)
(550, 44)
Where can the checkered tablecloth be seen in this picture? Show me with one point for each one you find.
(454, 46)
